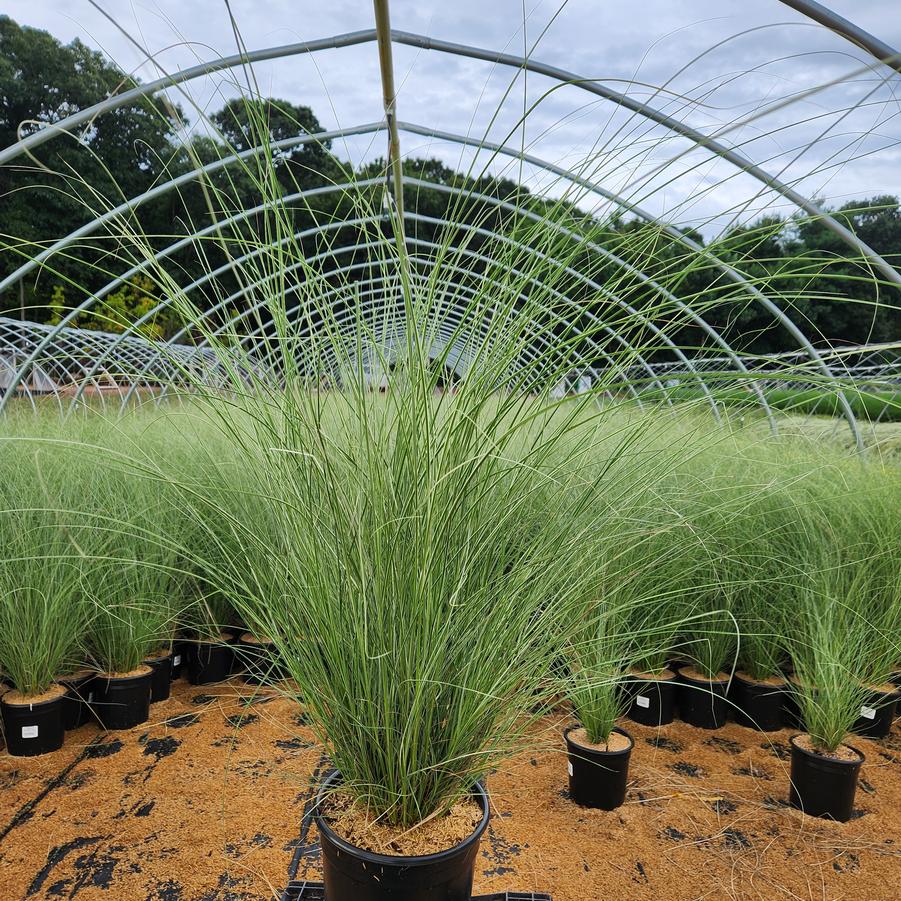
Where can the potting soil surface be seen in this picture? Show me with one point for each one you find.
(205, 803)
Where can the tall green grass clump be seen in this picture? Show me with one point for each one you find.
(420, 557)
(417, 556)
(43, 612)
(843, 635)
(135, 580)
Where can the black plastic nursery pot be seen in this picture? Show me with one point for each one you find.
(33, 727)
(232, 634)
(161, 680)
(257, 659)
(353, 874)
(598, 778)
(702, 701)
(179, 655)
(209, 662)
(878, 713)
(758, 704)
(823, 786)
(652, 697)
(123, 701)
(79, 697)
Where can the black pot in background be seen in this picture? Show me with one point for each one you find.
(352, 874)
(598, 778)
(122, 702)
(823, 786)
(702, 702)
(258, 658)
(757, 705)
(32, 729)
(179, 654)
(161, 680)
(877, 715)
(652, 700)
(209, 662)
(232, 635)
(79, 696)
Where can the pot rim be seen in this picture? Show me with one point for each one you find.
(574, 744)
(30, 705)
(835, 760)
(666, 675)
(894, 693)
(76, 680)
(745, 679)
(106, 677)
(703, 680)
(394, 860)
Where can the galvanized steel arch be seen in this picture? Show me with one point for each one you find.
(511, 60)
(592, 86)
(160, 190)
(677, 351)
(696, 317)
(224, 303)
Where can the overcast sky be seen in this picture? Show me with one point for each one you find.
(725, 64)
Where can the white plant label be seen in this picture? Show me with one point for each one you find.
(569, 766)
(29, 732)
(868, 713)
(642, 701)
(176, 660)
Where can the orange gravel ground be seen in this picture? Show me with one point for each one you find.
(204, 803)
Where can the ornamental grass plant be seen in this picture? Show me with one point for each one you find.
(44, 616)
(135, 578)
(395, 492)
(843, 631)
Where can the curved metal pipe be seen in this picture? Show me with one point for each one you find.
(493, 56)
(223, 304)
(501, 204)
(848, 30)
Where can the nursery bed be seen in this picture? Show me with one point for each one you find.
(205, 804)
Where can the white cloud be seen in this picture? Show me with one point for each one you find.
(730, 57)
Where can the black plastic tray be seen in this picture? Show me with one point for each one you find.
(314, 891)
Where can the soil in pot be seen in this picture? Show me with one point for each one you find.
(702, 701)
(122, 700)
(598, 774)
(34, 725)
(652, 697)
(79, 696)
(436, 861)
(208, 661)
(823, 783)
(878, 713)
(758, 703)
(161, 681)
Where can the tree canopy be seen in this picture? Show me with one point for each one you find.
(124, 153)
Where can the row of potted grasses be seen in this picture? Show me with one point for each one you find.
(431, 582)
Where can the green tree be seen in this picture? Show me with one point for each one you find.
(118, 155)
